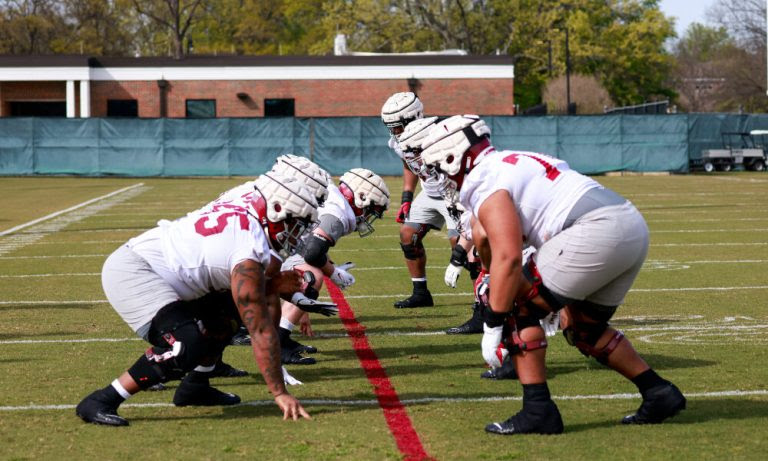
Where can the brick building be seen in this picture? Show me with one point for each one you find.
(251, 86)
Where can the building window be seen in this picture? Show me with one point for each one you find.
(201, 108)
(38, 108)
(279, 108)
(122, 108)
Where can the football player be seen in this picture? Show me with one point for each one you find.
(590, 245)
(167, 283)
(409, 142)
(360, 199)
(420, 214)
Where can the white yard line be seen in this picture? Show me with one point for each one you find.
(400, 295)
(374, 402)
(652, 263)
(12, 239)
(67, 210)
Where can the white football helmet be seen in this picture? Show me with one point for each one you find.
(410, 143)
(285, 208)
(400, 110)
(368, 196)
(448, 141)
(315, 178)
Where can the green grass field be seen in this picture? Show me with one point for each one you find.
(698, 313)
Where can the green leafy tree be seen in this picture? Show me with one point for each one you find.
(30, 26)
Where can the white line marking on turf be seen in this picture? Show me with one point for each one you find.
(651, 265)
(379, 250)
(13, 240)
(67, 210)
(374, 402)
(400, 295)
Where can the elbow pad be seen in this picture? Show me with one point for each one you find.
(316, 251)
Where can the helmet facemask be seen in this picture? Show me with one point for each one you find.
(286, 210)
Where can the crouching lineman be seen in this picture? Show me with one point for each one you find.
(361, 198)
(165, 283)
(417, 216)
(591, 244)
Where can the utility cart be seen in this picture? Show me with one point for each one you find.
(745, 149)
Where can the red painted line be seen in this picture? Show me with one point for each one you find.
(395, 413)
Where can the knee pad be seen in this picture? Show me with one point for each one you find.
(584, 336)
(555, 301)
(513, 342)
(414, 250)
(183, 349)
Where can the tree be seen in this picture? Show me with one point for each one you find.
(744, 68)
(175, 15)
(699, 69)
(587, 92)
(29, 26)
(98, 27)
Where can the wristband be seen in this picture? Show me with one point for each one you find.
(493, 319)
(458, 256)
(406, 197)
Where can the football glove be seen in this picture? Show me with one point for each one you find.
(551, 323)
(310, 305)
(482, 289)
(493, 350)
(402, 214)
(452, 275)
(458, 260)
(290, 380)
(341, 277)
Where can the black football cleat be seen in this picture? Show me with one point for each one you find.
(294, 357)
(202, 394)
(539, 417)
(94, 409)
(659, 403)
(421, 299)
(295, 346)
(505, 371)
(157, 387)
(472, 326)
(241, 338)
(226, 370)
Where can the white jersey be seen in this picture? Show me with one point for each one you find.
(196, 254)
(429, 184)
(543, 188)
(336, 205)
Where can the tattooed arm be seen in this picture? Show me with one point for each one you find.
(248, 292)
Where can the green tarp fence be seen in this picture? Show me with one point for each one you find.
(247, 147)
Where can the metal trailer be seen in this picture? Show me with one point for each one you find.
(745, 149)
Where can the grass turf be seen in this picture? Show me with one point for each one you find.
(687, 315)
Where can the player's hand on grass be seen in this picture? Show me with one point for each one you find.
(305, 326)
(291, 407)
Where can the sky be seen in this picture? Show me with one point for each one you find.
(686, 12)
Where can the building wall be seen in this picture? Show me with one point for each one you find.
(313, 98)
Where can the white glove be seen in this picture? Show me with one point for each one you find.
(341, 277)
(452, 275)
(493, 351)
(290, 380)
(551, 323)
